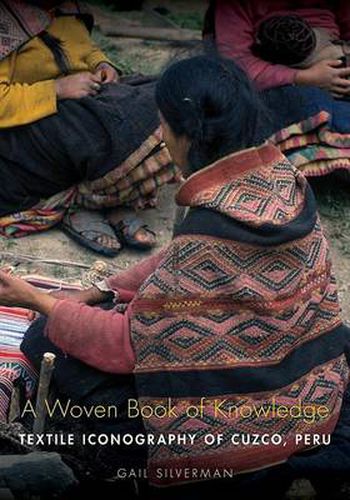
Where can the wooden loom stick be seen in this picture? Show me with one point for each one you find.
(14, 405)
(38, 260)
(161, 34)
(47, 367)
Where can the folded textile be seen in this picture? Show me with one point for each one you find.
(311, 128)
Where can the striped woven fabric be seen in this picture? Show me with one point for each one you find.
(14, 322)
(134, 183)
(13, 365)
(313, 147)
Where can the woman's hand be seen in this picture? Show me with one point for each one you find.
(17, 292)
(90, 296)
(14, 291)
(78, 85)
(326, 75)
(107, 73)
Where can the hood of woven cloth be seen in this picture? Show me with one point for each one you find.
(255, 186)
(20, 21)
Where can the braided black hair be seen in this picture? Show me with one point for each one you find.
(55, 46)
(287, 40)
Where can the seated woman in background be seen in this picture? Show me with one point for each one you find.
(70, 133)
(295, 45)
(240, 307)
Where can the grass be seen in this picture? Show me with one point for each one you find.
(146, 59)
(125, 65)
(8, 244)
(102, 3)
(150, 59)
(188, 20)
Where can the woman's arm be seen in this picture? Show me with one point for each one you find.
(132, 278)
(96, 59)
(235, 38)
(96, 56)
(99, 338)
(21, 104)
(96, 337)
(125, 284)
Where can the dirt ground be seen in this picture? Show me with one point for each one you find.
(341, 265)
(148, 57)
(55, 245)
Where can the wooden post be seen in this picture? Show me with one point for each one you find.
(14, 405)
(162, 34)
(47, 367)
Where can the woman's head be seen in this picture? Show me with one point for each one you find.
(209, 109)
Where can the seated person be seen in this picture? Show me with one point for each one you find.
(240, 306)
(236, 25)
(298, 51)
(292, 41)
(71, 132)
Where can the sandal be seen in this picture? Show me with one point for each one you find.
(126, 230)
(92, 231)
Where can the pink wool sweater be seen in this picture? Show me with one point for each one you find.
(101, 338)
(236, 23)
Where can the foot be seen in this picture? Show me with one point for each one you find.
(91, 230)
(132, 231)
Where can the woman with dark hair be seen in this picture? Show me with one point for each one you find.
(72, 131)
(298, 52)
(239, 310)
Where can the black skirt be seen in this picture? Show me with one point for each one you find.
(84, 140)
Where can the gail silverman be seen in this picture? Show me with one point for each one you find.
(177, 473)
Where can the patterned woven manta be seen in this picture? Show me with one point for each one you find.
(241, 311)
